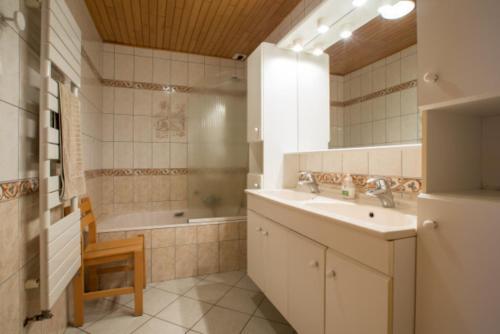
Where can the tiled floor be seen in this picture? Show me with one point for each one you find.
(226, 303)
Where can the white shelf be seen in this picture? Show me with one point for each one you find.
(466, 195)
(480, 105)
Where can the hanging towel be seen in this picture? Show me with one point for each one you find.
(72, 174)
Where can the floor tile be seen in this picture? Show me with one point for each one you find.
(221, 321)
(157, 326)
(179, 286)
(241, 300)
(230, 278)
(73, 330)
(94, 310)
(268, 311)
(184, 311)
(209, 292)
(264, 326)
(122, 299)
(121, 321)
(155, 300)
(247, 283)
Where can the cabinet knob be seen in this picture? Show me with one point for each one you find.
(331, 274)
(314, 264)
(256, 129)
(430, 77)
(430, 224)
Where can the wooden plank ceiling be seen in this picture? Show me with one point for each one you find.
(207, 27)
(375, 40)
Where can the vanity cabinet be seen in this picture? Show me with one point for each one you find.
(267, 258)
(357, 297)
(457, 40)
(306, 284)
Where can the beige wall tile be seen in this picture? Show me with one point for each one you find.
(178, 187)
(161, 71)
(291, 170)
(142, 129)
(123, 189)
(385, 162)
(9, 80)
(179, 73)
(29, 228)
(186, 260)
(229, 255)
(160, 188)
(163, 237)
(207, 233)
(311, 161)
(243, 254)
(123, 155)
(143, 69)
(355, 162)
(243, 230)
(178, 155)
(161, 155)
(142, 188)
(124, 101)
(124, 67)
(332, 161)
(10, 308)
(208, 258)
(143, 100)
(9, 141)
(108, 191)
(108, 236)
(9, 239)
(185, 235)
(142, 155)
(163, 263)
(412, 162)
(229, 231)
(123, 128)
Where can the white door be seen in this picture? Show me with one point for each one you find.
(306, 284)
(458, 267)
(357, 297)
(254, 96)
(255, 248)
(275, 257)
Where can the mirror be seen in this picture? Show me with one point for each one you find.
(373, 67)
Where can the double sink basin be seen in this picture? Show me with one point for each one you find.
(388, 224)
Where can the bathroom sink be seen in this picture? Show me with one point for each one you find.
(290, 195)
(365, 213)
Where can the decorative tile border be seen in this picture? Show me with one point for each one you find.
(14, 189)
(146, 85)
(383, 92)
(398, 184)
(90, 174)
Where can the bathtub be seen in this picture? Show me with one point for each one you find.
(156, 219)
(178, 246)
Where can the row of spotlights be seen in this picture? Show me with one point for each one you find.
(391, 10)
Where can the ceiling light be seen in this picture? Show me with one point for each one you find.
(297, 46)
(358, 3)
(317, 51)
(394, 10)
(322, 27)
(346, 33)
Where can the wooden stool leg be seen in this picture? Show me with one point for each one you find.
(138, 281)
(93, 278)
(78, 298)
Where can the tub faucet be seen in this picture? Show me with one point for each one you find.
(306, 178)
(382, 191)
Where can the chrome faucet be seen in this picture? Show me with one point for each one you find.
(306, 178)
(382, 191)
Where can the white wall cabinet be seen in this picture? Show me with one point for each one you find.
(465, 56)
(287, 106)
(356, 297)
(306, 284)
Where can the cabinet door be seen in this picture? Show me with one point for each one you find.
(465, 56)
(255, 248)
(254, 96)
(357, 298)
(458, 270)
(275, 257)
(306, 284)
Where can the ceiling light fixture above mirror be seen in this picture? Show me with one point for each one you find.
(344, 16)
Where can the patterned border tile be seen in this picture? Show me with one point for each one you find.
(398, 184)
(14, 189)
(383, 92)
(90, 174)
(146, 85)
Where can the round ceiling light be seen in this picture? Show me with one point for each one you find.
(346, 34)
(297, 46)
(317, 51)
(396, 9)
(322, 27)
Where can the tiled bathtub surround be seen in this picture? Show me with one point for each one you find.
(376, 104)
(187, 250)
(399, 164)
